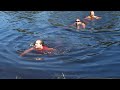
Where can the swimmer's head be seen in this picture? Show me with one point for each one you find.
(92, 13)
(38, 43)
(77, 20)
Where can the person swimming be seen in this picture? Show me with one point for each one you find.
(92, 16)
(38, 46)
(79, 24)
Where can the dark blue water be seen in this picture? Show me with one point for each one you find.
(90, 53)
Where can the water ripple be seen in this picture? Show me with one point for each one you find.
(90, 53)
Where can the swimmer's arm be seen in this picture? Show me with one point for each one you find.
(51, 49)
(88, 17)
(96, 17)
(83, 26)
(26, 51)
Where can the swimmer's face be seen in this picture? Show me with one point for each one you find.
(92, 13)
(77, 20)
(38, 44)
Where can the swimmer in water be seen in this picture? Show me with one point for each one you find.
(38, 46)
(79, 24)
(92, 16)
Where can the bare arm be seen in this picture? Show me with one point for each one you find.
(26, 51)
(51, 49)
(88, 17)
(83, 26)
(96, 17)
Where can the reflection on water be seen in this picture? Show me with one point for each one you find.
(89, 53)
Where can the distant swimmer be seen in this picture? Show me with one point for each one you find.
(92, 16)
(38, 46)
(79, 24)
